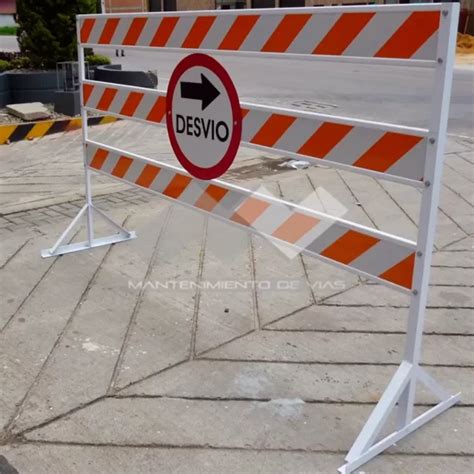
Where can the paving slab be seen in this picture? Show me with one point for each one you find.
(368, 319)
(340, 347)
(82, 365)
(29, 111)
(227, 297)
(309, 382)
(377, 295)
(277, 424)
(45, 315)
(162, 326)
(57, 459)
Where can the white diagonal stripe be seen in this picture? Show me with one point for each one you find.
(180, 32)
(354, 145)
(218, 31)
(260, 33)
(297, 134)
(380, 258)
(121, 31)
(313, 32)
(376, 33)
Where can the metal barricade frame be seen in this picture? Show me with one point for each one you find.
(291, 33)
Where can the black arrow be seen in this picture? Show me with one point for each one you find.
(203, 91)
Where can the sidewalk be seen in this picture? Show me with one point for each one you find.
(102, 373)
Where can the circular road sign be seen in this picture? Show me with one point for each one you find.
(203, 116)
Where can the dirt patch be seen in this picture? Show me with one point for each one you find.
(465, 49)
(465, 44)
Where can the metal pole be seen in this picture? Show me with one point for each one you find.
(430, 200)
(90, 220)
(102, 6)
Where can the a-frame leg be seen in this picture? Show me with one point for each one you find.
(398, 392)
(88, 210)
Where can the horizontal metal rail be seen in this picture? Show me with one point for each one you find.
(374, 254)
(381, 150)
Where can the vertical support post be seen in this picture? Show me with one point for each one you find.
(87, 174)
(429, 202)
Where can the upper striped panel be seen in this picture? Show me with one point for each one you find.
(395, 32)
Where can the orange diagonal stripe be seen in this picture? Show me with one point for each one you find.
(249, 211)
(343, 33)
(198, 31)
(211, 197)
(295, 227)
(134, 32)
(237, 33)
(131, 104)
(158, 110)
(122, 166)
(107, 98)
(348, 247)
(177, 185)
(164, 31)
(109, 30)
(87, 91)
(324, 139)
(87, 29)
(415, 31)
(285, 33)
(99, 158)
(401, 273)
(147, 176)
(387, 151)
(244, 112)
(273, 129)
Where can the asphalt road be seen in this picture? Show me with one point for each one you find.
(392, 94)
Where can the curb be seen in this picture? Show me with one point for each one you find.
(30, 130)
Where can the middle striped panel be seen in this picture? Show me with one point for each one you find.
(391, 150)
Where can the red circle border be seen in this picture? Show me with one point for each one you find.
(203, 60)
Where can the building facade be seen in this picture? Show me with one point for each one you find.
(169, 5)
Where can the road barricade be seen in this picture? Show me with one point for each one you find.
(412, 35)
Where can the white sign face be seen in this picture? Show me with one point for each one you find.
(203, 116)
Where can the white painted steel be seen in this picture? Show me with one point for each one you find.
(361, 452)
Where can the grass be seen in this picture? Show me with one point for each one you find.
(8, 30)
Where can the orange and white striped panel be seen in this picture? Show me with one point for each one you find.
(401, 32)
(394, 151)
(370, 253)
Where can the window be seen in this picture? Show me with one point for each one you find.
(169, 5)
(263, 3)
(292, 3)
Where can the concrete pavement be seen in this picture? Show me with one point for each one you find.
(128, 359)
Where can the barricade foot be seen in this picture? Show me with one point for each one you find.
(89, 209)
(366, 447)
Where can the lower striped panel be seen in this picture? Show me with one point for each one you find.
(370, 253)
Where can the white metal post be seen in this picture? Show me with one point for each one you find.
(88, 208)
(82, 77)
(430, 199)
(363, 450)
